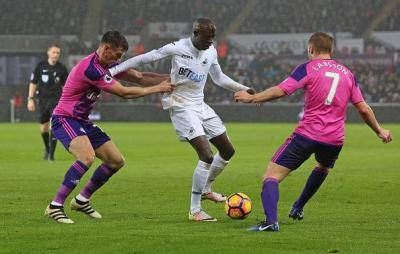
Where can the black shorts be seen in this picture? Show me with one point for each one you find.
(297, 149)
(45, 109)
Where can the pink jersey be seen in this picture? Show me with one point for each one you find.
(328, 87)
(83, 88)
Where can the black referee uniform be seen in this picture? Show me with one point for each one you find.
(49, 80)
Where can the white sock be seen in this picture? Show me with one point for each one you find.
(56, 204)
(81, 198)
(216, 168)
(199, 180)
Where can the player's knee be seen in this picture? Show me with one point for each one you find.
(322, 169)
(87, 159)
(228, 154)
(206, 157)
(116, 163)
(44, 129)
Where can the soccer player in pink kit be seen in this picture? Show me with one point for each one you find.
(82, 138)
(328, 87)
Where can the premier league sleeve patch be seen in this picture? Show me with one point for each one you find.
(108, 79)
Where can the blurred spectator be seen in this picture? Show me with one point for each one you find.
(42, 17)
(139, 49)
(130, 17)
(304, 16)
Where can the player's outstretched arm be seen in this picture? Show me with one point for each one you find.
(142, 78)
(222, 80)
(31, 95)
(269, 94)
(133, 92)
(151, 78)
(148, 57)
(369, 118)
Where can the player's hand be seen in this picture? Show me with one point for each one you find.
(243, 96)
(385, 136)
(31, 105)
(166, 86)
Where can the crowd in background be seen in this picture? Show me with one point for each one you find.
(380, 83)
(392, 22)
(275, 16)
(130, 17)
(42, 17)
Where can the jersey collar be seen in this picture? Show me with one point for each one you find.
(192, 47)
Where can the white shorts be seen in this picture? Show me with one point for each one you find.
(190, 123)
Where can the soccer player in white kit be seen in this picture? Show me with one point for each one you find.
(192, 60)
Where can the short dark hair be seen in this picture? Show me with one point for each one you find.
(203, 22)
(322, 42)
(54, 45)
(115, 39)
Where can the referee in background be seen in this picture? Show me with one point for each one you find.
(47, 81)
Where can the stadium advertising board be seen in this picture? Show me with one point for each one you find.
(168, 30)
(391, 39)
(293, 43)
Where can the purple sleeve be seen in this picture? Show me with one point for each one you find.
(99, 77)
(105, 82)
(356, 95)
(297, 80)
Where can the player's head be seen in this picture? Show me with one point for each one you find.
(204, 31)
(53, 53)
(320, 44)
(113, 46)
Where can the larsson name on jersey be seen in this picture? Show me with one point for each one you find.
(191, 75)
(332, 65)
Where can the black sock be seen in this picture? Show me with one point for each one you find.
(52, 145)
(80, 202)
(55, 206)
(45, 137)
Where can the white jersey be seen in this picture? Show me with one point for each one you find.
(190, 68)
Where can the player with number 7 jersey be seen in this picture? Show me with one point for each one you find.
(328, 87)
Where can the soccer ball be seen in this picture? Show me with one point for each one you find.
(238, 206)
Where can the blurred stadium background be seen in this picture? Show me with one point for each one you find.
(258, 41)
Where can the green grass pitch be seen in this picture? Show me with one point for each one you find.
(145, 205)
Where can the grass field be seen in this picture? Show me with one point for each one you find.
(145, 205)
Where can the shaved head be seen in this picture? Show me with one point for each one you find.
(204, 32)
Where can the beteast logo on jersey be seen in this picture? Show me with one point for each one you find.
(191, 75)
(186, 56)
